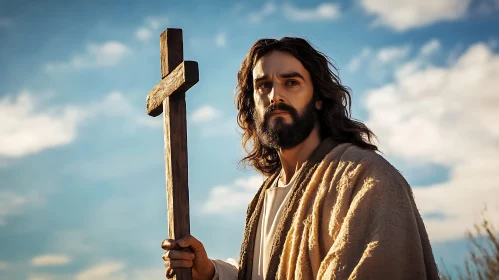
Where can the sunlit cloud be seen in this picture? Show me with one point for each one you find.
(107, 54)
(103, 271)
(152, 24)
(27, 130)
(321, 12)
(234, 197)
(221, 39)
(407, 14)
(50, 260)
(443, 115)
(204, 114)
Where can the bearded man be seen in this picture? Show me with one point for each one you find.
(331, 206)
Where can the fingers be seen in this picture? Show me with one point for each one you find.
(178, 264)
(177, 255)
(169, 273)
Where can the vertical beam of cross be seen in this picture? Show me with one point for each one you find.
(168, 97)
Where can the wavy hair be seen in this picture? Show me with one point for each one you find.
(334, 118)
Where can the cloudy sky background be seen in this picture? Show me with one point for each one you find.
(82, 184)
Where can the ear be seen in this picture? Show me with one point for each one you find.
(318, 104)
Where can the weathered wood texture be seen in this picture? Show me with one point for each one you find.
(171, 48)
(168, 96)
(185, 75)
(176, 171)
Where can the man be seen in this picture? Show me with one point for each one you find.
(331, 207)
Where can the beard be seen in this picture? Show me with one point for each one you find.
(278, 134)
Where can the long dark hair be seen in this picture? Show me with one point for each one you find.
(334, 118)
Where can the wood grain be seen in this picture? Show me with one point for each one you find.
(171, 48)
(178, 81)
(177, 188)
(168, 96)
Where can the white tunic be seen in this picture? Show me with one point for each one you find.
(274, 201)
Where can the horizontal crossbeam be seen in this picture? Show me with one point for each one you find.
(182, 78)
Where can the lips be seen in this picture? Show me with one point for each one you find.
(278, 112)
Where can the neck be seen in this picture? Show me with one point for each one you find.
(292, 159)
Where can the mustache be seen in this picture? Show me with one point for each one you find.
(279, 106)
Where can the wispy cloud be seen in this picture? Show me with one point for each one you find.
(10, 204)
(151, 25)
(323, 11)
(15, 203)
(374, 59)
(25, 130)
(205, 113)
(430, 47)
(212, 123)
(442, 115)
(221, 39)
(268, 9)
(107, 271)
(50, 260)
(4, 265)
(5, 22)
(227, 199)
(107, 54)
(407, 14)
(357, 60)
(390, 54)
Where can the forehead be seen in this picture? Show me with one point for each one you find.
(276, 63)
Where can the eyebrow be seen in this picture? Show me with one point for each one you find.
(284, 75)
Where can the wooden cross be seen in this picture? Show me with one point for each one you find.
(168, 96)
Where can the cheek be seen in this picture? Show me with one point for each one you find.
(259, 106)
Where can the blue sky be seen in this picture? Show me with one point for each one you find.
(82, 184)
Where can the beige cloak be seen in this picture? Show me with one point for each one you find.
(351, 215)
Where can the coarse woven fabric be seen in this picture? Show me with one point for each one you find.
(351, 215)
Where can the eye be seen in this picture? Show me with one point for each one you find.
(263, 86)
(292, 83)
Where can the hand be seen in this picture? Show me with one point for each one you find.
(176, 257)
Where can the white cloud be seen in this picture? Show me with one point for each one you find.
(221, 39)
(325, 11)
(105, 271)
(225, 199)
(143, 33)
(212, 123)
(378, 62)
(390, 54)
(10, 204)
(430, 47)
(402, 15)
(152, 24)
(5, 22)
(204, 114)
(106, 54)
(445, 115)
(356, 61)
(50, 260)
(25, 130)
(268, 9)
(4, 265)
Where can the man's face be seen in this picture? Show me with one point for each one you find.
(285, 113)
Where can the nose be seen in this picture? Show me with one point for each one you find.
(276, 94)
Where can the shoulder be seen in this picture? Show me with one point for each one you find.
(355, 163)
